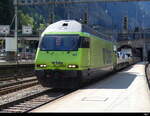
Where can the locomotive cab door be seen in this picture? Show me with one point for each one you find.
(85, 43)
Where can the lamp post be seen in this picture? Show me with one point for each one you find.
(16, 28)
(144, 46)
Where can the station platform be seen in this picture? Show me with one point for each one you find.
(125, 91)
(8, 63)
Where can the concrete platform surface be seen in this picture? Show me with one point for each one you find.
(126, 91)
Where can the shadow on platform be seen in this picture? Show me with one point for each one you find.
(121, 80)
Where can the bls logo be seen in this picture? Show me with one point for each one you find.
(57, 62)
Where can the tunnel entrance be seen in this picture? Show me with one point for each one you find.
(136, 52)
(140, 53)
(148, 56)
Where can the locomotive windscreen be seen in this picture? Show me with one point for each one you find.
(60, 43)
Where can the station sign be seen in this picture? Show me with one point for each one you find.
(26, 29)
(4, 29)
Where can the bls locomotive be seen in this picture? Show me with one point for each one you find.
(70, 54)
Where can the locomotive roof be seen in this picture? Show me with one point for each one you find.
(64, 26)
(72, 26)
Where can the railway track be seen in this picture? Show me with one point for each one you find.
(15, 77)
(31, 102)
(15, 82)
(15, 86)
(7, 79)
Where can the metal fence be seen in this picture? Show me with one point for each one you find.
(19, 57)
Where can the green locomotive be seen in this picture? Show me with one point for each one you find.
(70, 53)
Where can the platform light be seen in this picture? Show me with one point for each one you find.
(72, 66)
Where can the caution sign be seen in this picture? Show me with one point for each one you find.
(4, 29)
(26, 29)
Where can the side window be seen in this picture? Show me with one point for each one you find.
(85, 42)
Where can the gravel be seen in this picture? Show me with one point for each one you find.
(21, 94)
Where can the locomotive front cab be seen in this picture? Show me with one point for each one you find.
(61, 56)
(68, 50)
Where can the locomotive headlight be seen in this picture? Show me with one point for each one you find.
(72, 66)
(42, 65)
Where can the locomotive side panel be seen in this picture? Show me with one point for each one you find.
(101, 57)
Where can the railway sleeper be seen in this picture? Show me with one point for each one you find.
(20, 108)
(11, 110)
(27, 106)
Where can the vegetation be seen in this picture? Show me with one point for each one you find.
(29, 16)
(25, 19)
(26, 16)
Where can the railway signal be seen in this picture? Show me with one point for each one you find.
(125, 24)
(85, 18)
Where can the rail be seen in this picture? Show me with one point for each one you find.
(13, 87)
(31, 102)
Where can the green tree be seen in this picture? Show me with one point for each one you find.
(42, 27)
(25, 19)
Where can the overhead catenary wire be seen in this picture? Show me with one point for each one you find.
(42, 2)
